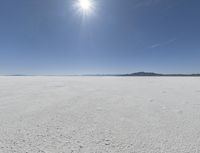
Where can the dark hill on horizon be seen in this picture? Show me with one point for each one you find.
(156, 74)
(145, 74)
(137, 74)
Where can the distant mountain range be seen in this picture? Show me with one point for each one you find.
(147, 74)
(139, 74)
(157, 74)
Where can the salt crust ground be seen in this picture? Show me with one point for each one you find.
(99, 115)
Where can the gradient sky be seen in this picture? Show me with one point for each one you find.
(119, 36)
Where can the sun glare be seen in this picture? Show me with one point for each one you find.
(85, 6)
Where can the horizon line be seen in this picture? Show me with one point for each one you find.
(111, 74)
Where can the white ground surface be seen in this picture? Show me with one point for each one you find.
(99, 115)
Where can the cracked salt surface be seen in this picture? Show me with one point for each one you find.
(99, 115)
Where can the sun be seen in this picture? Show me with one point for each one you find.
(84, 7)
(85, 4)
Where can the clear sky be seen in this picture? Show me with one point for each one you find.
(116, 36)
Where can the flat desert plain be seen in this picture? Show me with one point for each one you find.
(99, 114)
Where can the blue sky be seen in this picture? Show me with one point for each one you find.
(118, 36)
